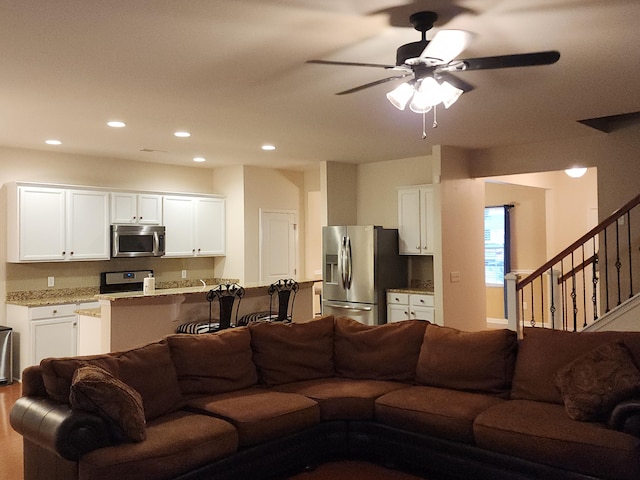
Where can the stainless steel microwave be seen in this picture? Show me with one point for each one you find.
(137, 241)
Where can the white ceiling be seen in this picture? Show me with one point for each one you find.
(233, 73)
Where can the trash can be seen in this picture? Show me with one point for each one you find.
(6, 355)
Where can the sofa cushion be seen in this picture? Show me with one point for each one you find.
(214, 363)
(176, 443)
(343, 398)
(96, 390)
(260, 415)
(147, 369)
(480, 362)
(291, 352)
(433, 411)
(377, 352)
(594, 383)
(542, 352)
(150, 371)
(543, 432)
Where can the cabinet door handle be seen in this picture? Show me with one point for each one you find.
(418, 247)
(397, 299)
(55, 312)
(421, 300)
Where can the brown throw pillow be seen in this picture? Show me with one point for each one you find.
(594, 383)
(96, 390)
(377, 352)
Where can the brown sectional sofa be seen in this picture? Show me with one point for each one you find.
(270, 399)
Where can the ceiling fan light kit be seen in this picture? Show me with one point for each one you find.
(431, 64)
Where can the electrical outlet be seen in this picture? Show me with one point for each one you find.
(51, 281)
(184, 274)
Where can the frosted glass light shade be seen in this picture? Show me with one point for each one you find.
(431, 90)
(420, 103)
(450, 94)
(400, 96)
(576, 172)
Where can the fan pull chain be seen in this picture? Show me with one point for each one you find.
(424, 125)
(435, 117)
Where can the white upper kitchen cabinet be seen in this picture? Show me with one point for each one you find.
(195, 226)
(415, 220)
(132, 208)
(56, 224)
(87, 225)
(210, 226)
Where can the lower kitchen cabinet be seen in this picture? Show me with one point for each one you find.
(410, 306)
(41, 332)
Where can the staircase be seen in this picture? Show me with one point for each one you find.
(593, 284)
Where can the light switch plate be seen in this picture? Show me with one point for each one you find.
(184, 274)
(51, 281)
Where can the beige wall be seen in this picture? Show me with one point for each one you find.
(571, 204)
(229, 181)
(459, 269)
(338, 186)
(615, 155)
(528, 233)
(377, 183)
(270, 190)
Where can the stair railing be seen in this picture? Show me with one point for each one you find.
(594, 274)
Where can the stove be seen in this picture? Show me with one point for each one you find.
(127, 281)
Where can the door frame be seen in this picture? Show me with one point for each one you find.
(296, 238)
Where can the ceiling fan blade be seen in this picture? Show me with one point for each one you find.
(447, 45)
(455, 81)
(372, 84)
(507, 61)
(351, 64)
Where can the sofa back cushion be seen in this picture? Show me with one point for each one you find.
(147, 369)
(213, 363)
(480, 362)
(291, 352)
(377, 352)
(150, 371)
(543, 352)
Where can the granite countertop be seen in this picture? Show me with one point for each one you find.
(165, 292)
(415, 291)
(59, 296)
(90, 312)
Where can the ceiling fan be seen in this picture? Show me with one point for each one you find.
(431, 65)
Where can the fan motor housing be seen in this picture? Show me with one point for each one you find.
(410, 50)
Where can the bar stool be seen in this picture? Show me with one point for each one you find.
(229, 297)
(284, 292)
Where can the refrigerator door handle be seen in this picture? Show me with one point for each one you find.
(342, 261)
(349, 264)
(346, 307)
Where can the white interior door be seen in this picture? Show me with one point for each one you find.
(278, 245)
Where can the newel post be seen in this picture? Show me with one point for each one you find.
(513, 312)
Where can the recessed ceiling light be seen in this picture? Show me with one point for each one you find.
(116, 124)
(52, 141)
(268, 147)
(199, 159)
(182, 134)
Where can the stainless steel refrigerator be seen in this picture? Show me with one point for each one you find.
(359, 264)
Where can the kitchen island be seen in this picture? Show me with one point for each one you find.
(130, 319)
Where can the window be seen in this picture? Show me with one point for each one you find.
(496, 244)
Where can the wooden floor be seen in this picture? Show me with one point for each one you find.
(10, 441)
(11, 453)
